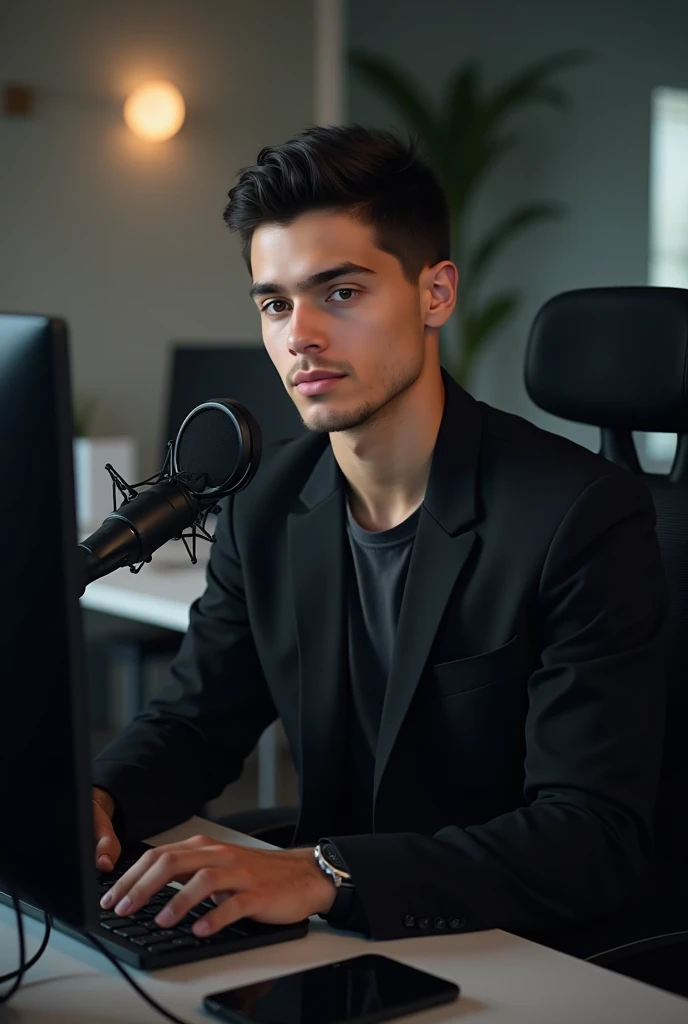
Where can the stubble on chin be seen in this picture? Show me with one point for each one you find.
(331, 421)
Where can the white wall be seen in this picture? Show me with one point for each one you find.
(125, 239)
(594, 158)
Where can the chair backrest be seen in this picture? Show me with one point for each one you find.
(617, 358)
(244, 372)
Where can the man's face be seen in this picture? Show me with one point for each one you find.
(366, 325)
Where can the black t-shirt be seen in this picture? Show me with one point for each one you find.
(378, 565)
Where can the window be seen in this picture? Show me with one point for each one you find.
(668, 263)
(669, 189)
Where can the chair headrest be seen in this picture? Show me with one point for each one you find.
(612, 357)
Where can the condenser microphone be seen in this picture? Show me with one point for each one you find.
(217, 452)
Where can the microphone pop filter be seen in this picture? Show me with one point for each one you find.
(218, 449)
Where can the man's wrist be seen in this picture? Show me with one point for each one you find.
(333, 865)
(324, 888)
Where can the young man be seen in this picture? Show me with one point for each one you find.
(457, 616)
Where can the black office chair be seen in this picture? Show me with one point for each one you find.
(617, 358)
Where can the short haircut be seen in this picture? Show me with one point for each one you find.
(370, 174)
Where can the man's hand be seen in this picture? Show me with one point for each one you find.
(272, 886)
(108, 847)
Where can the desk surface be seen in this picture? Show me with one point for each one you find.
(503, 979)
(160, 594)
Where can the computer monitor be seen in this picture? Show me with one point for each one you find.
(244, 372)
(47, 854)
(47, 846)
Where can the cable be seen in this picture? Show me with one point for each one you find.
(37, 955)
(19, 973)
(651, 939)
(24, 965)
(125, 974)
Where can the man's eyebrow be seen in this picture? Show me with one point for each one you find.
(309, 283)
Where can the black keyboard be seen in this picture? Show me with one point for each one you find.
(137, 939)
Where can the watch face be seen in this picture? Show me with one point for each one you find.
(331, 854)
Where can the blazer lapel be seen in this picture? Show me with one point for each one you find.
(441, 548)
(316, 553)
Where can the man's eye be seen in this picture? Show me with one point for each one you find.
(274, 302)
(270, 307)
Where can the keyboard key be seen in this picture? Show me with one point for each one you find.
(232, 930)
(174, 944)
(151, 939)
(247, 926)
(154, 938)
(127, 933)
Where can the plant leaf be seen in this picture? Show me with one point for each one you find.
(524, 217)
(461, 98)
(472, 164)
(478, 326)
(402, 93)
(529, 85)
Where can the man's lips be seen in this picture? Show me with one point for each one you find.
(303, 378)
(316, 384)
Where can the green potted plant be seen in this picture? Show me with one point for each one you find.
(463, 138)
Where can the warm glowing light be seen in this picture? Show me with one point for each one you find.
(155, 111)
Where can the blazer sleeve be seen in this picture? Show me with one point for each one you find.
(188, 743)
(594, 735)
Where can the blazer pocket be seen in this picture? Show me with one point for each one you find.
(452, 677)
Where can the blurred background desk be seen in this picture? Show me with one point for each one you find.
(161, 595)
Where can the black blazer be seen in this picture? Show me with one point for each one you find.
(520, 743)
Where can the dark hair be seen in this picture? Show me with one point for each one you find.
(370, 174)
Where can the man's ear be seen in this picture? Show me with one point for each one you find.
(438, 289)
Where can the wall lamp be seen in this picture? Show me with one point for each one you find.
(155, 111)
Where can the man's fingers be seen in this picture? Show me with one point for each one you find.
(220, 897)
(205, 881)
(154, 870)
(108, 850)
(240, 904)
(108, 847)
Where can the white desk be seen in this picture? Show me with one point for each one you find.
(161, 595)
(503, 979)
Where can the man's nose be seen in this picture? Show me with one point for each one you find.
(306, 331)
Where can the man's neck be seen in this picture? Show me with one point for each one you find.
(386, 462)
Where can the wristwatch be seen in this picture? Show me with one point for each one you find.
(330, 862)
